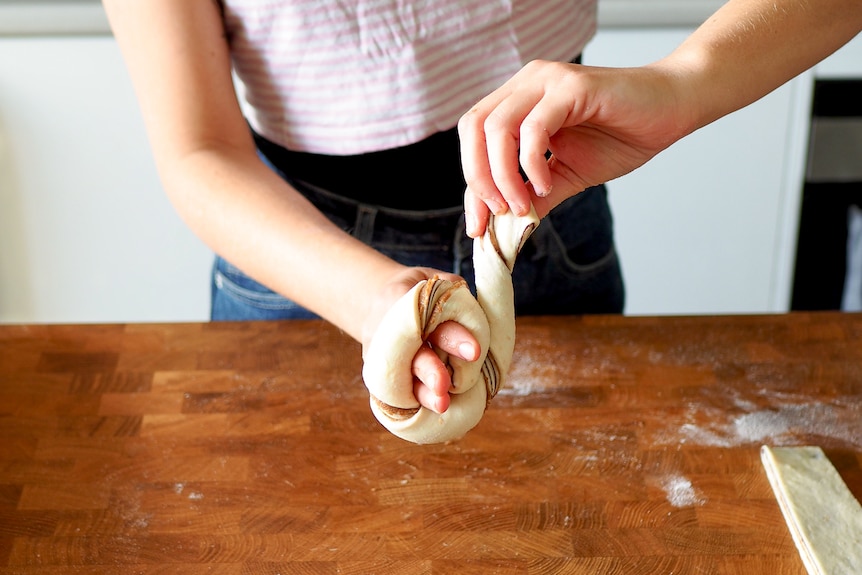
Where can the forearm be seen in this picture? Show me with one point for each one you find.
(250, 216)
(750, 47)
(179, 62)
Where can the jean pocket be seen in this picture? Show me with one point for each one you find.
(570, 263)
(578, 234)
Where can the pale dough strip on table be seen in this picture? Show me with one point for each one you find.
(824, 518)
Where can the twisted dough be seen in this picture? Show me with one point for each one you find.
(490, 317)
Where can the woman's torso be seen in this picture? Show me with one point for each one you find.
(346, 78)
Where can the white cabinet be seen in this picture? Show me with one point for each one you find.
(709, 225)
(86, 232)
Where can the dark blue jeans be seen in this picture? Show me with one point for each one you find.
(568, 266)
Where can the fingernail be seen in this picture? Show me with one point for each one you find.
(467, 351)
(495, 207)
(472, 223)
(545, 192)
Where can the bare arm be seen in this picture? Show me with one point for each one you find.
(750, 47)
(179, 62)
(601, 123)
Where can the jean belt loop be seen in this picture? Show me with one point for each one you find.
(363, 230)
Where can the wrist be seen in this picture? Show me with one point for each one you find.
(697, 95)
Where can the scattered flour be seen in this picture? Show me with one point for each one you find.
(774, 418)
(680, 492)
(522, 387)
(787, 420)
(781, 423)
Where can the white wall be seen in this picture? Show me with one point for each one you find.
(86, 233)
(708, 226)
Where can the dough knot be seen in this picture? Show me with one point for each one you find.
(490, 317)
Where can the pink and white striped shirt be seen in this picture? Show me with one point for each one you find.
(357, 76)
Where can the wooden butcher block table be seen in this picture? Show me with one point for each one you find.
(621, 445)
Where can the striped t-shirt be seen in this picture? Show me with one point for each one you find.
(351, 77)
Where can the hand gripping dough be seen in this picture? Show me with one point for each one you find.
(490, 317)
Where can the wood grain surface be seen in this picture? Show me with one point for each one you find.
(621, 445)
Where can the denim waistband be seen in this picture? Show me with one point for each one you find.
(352, 215)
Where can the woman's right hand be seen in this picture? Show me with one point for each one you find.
(431, 379)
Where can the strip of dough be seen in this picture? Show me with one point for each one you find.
(824, 518)
(490, 317)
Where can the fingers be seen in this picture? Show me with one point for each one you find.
(502, 142)
(432, 380)
(455, 339)
(476, 214)
(481, 197)
(544, 120)
(491, 145)
(508, 131)
(489, 156)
